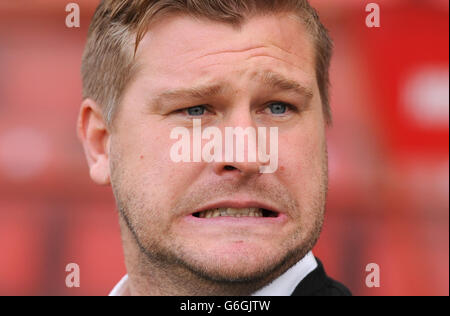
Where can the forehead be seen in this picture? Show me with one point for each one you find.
(181, 48)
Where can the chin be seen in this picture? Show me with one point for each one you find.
(236, 263)
(231, 273)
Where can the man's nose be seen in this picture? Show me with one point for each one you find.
(239, 121)
(237, 169)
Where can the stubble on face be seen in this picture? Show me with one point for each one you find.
(154, 196)
(156, 255)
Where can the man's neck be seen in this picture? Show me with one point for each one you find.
(284, 285)
(149, 279)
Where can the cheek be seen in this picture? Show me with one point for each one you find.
(151, 168)
(302, 157)
(143, 157)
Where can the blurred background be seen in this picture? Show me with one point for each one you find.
(389, 155)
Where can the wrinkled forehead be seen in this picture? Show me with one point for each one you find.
(179, 41)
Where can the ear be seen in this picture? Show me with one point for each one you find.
(95, 138)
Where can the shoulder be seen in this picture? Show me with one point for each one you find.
(318, 283)
(333, 288)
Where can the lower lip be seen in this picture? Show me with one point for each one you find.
(244, 220)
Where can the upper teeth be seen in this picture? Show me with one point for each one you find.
(234, 212)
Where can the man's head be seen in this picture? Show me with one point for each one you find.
(119, 25)
(152, 66)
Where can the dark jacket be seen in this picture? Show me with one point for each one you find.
(317, 283)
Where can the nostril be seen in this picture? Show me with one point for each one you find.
(228, 167)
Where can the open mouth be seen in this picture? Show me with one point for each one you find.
(235, 212)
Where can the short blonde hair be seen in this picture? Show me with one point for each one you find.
(119, 25)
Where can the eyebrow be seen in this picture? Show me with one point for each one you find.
(270, 79)
(194, 93)
(277, 81)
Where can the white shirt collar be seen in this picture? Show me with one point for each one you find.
(284, 285)
(121, 288)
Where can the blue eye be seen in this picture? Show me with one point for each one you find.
(196, 110)
(278, 108)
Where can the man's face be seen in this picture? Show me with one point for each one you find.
(160, 198)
